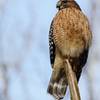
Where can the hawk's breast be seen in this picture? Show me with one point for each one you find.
(71, 31)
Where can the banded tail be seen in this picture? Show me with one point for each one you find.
(57, 87)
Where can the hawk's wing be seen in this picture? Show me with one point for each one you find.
(51, 45)
(79, 62)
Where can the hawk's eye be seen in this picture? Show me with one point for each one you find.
(64, 1)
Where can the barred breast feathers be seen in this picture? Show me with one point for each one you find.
(71, 32)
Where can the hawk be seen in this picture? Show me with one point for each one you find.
(70, 37)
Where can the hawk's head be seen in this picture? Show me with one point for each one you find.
(61, 4)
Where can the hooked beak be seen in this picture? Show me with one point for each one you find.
(58, 4)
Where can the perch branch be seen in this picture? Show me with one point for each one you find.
(72, 82)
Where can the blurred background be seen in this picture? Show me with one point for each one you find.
(24, 54)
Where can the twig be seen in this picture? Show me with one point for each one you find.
(72, 82)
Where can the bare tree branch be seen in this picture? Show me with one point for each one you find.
(72, 82)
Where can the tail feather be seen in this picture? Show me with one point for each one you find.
(58, 88)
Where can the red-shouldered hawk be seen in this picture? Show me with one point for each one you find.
(69, 38)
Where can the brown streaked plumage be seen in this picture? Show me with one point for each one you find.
(69, 38)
